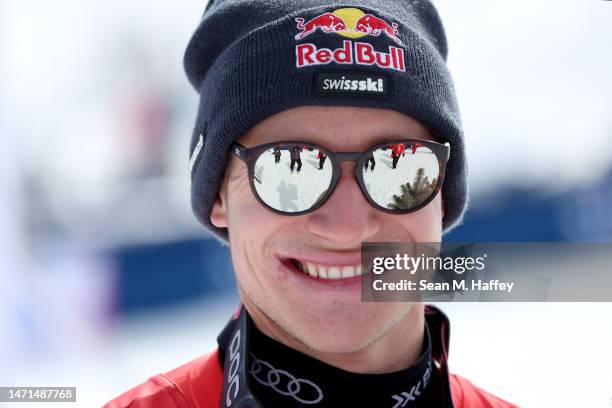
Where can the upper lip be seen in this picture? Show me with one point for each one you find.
(329, 258)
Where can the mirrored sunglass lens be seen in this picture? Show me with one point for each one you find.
(292, 178)
(401, 176)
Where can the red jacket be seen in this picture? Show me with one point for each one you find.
(397, 149)
(198, 383)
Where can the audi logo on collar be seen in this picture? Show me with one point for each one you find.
(233, 380)
(302, 390)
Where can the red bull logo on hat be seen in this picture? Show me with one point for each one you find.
(349, 22)
(372, 25)
(352, 23)
(327, 22)
(358, 53)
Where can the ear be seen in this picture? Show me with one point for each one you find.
(218, 214)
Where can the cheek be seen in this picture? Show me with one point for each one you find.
(245, 214)
(425, 225)
(253, 229)
(251, 226)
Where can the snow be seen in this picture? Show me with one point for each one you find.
(392, 179)
(291, 191)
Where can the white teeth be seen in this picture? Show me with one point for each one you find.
(330, 272)
(334, 272)
(312, 270)
(348, 272)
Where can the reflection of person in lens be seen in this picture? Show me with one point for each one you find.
(321, 156)
(397, 150)
(287, 195)
(277, 154)
(369, 160)
(294, 153)
(302, 321)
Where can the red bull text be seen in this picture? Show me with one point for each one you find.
(361, 53)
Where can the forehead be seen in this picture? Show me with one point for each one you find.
(338, 128)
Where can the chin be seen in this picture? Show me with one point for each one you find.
(347, 331)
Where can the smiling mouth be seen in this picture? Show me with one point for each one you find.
(327, 272)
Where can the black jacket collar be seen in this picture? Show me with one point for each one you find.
(233, 346)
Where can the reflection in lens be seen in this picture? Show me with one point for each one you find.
(292, 178)
(401, 176)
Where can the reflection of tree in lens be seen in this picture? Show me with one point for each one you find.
(415, 194)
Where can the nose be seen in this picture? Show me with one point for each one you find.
(346, 219)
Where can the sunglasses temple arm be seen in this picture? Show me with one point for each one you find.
(447, 152)
(239, 150)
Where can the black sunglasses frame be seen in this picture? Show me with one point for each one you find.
(250, 156)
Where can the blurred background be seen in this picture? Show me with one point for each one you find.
(107, 278)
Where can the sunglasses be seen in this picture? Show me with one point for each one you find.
(298, 177)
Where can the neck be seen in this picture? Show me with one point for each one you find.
(398, 349)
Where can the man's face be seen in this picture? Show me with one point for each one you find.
(324, 315)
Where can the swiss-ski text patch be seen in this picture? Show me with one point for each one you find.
(343, 83)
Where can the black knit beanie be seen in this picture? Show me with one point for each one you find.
(250, 59)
